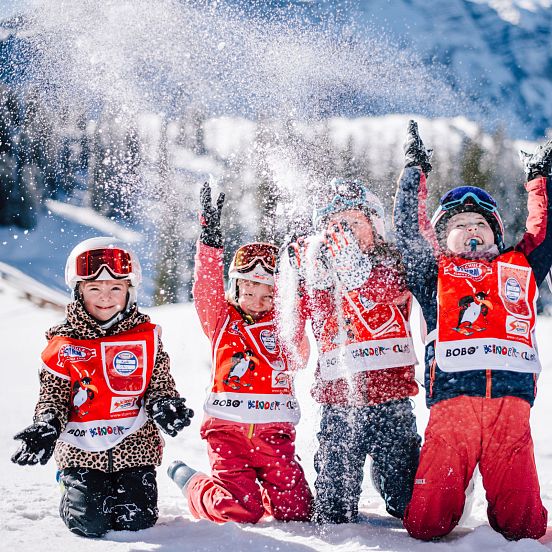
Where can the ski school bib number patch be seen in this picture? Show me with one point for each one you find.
(486, 315)
(125, 366)
(109, 377)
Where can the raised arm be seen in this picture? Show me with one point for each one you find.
(415, 237)
(536, 243)
(208, 288)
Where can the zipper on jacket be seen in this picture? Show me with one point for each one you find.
(489, 384)
(251, 431)
(432, 376)
(110, 460)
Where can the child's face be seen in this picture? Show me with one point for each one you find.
(464, 227)
(360, 227)
(103, 299)
(254, 298)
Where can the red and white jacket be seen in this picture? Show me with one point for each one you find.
(365, 350)
(251, 379)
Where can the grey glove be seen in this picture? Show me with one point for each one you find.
(351, 265)
(39, 441)
(415, 153)
(211, 233)
(538, 163)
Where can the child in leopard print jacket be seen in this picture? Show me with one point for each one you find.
(105, 389)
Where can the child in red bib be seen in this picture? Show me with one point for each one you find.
(105, 389)
(479, 304)
(347, 281)
(250, 408)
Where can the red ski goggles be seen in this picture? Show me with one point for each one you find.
(247, 256)
(117, 261)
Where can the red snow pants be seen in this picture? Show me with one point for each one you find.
(254, 472)
(461, 433)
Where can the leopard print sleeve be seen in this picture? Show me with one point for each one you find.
(54, 397)
(162, 383)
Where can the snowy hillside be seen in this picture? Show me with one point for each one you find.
(486, 59)
(495, 53)
(28, 510)
(498, 53)
(41, 253)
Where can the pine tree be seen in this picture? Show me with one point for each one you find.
(167, 271)
(266, 190)
(472, 168)
(507, 185)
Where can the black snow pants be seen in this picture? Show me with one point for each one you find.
(386, 432)
(94, 502)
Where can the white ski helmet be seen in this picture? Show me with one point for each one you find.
(103, 258)
(255, 262)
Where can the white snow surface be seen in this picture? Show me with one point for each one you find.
(30, 496)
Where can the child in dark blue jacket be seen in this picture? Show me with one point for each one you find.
(479, 303)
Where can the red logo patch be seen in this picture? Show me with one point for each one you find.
(473, 270)
(74, 353)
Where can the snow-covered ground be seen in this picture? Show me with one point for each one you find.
(29, 496)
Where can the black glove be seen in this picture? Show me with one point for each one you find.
(415, 153)
(39, 441)
(211, 233)
(170, 414)
(538, 163)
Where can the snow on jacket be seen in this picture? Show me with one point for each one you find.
(251, 381)
(382, 303)
(422, 257)
(142, 448)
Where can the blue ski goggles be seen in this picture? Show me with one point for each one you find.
(466, 195)
(348, 194)
(470, 195)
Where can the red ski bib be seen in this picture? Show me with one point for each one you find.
(251, 381)
(486, 314)
(364, 336)
(109, 377)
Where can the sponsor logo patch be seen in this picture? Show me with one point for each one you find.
(234, 329)
(512, 290)
(461, 351)
(280, 379)
(513, 352)
(125, 363)
(74, 353)
(517, 326)
(474, 270)
(124, 404)
(268, 339)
